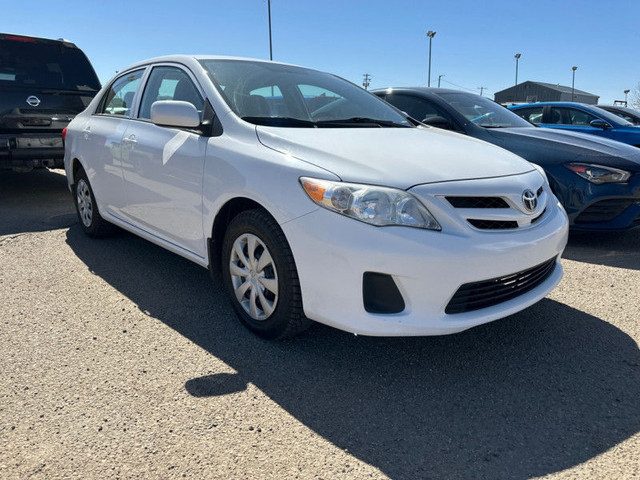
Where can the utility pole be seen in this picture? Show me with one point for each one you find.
(517, 57)
(366, 81)
(626, 92)
(482, 89)
(430, 34)
(439, 77)
(270, 44)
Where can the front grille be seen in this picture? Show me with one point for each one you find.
(477, 295)
(477, 202)
(493, 224)
(604, 210)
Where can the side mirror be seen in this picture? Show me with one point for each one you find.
(173, 113)
(598, 123)
(438, 122)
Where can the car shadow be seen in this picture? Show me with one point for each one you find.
(612, 249)
(34, 202)
(532, 394)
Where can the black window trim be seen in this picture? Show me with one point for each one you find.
(145, 83)
(134, 110)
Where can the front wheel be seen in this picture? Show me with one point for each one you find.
(260, 276)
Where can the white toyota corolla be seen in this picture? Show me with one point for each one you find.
(314, 199)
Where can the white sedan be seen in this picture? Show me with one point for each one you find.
(314, 199)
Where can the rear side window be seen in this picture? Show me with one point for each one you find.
(169, 83)
(119, 98)
(533, 114)
(32, 63)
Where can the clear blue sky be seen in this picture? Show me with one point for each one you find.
(474, 45)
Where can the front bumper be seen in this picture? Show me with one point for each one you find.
(611, 206)
(333, 252)
(31, 151)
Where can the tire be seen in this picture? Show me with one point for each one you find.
(264, 291)
(87, 209)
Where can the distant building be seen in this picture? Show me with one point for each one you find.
(529, 92)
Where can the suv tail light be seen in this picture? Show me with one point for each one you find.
(64, 134)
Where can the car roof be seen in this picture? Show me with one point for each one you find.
(559, 104)
(417, 90)
(32, 39)
(195, 57)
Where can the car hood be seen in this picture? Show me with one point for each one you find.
(396, 157)
(547, 146)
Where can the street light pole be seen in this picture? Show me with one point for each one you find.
(439, 77)
(573, 82)
(626, 92)
(270, 44)
(430, 34)
(517, 57)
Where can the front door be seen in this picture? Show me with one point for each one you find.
(163, 166)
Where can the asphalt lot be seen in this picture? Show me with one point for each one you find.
(122, 360)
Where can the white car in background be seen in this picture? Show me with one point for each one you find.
(315, 199)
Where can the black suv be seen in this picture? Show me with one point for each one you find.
(43, 85)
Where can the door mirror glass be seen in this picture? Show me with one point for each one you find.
(173, 113)
(599, 123)
(438, 122)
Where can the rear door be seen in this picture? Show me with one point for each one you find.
(99, 144)
(163, 166)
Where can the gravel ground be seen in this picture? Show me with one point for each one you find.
(121, 360)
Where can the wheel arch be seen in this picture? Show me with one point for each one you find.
(76, 165)
(226, 213)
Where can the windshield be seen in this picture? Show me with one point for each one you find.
(611, 117)
(44, 65)
(482, 111)
(280, 95)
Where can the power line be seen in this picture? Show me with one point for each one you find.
(459, 86)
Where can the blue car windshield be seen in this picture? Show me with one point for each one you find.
(482, 111)
(279, 95)
(612, 118)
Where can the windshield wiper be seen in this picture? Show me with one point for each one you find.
(280, 122)
(361, 121)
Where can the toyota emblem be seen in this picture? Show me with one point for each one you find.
(529, 200)
(33, 101)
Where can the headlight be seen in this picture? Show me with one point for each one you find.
(599, 174)
(370, 204)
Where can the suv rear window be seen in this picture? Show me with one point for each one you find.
(45, 64)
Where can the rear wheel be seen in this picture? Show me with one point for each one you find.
(90, 220)
(260, 276)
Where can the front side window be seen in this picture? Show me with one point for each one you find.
(169, 83)
(416, 107)
(570, 116)
(281, 95)
(119, 98)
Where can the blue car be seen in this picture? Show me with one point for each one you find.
(581, 118)
(597, 180)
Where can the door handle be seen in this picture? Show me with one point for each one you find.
(131, 140)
